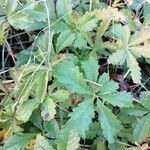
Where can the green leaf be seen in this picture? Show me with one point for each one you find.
(101, 30)
(25, 110)
(10, 6)
(140, 36)
(87, 22)
(80, 42)
(134, 68)
(18, 142)
(145, 100)
(90, 68)
(139, 51)
(70, 77)
(81, 117)
(117, 58)
(52, 128)
(120, 99)
(142, 129)
(122, 33)
(110, 124)
(48, 109)
(108, 88)
(65, 39)
(104, 78)
(64, 10)
(60, 95)
(42, 143)
(21, 21)
(101, 145)
(37, 12)
(40, 86)
(36, 118)
(136, 111)
(68, 141)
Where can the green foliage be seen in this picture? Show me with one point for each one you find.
(81, 117)
(18, 141)
(109, 123)
(69, 76)
(78, 78)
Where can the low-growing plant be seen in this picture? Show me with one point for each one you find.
(67, 90)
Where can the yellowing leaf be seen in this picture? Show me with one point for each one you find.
(25, 110)
(48, 109)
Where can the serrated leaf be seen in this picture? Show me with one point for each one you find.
(21, 21)
(70, 77)
(25, 110)
(122, 33)
(117, 58)
(139, 51)
(48, 109)
(80, 42)
(68, 140)
(101, 30)
(64, 9)
(109, 87)
(134, 68)
(120, 99)
(37, 12)
(52, 128)
(90, 68)
(104, 78)
(140, 36)
(65, 39)
(110, 124)
(142, 129)
(87, 23)
(81, 117)
(18, 142)
(60, 95)
(145, 100)
(136, 111)
(42, 143)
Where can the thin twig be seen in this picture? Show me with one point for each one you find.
(97, 84)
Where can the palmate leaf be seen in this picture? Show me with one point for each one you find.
(90, 68)
(68, 140)
(142, 129)
(70, 77)
(81, 118)
(110, 124)
(18, 142)
(128, 49)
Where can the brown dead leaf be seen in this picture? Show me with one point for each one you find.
(30, 145)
